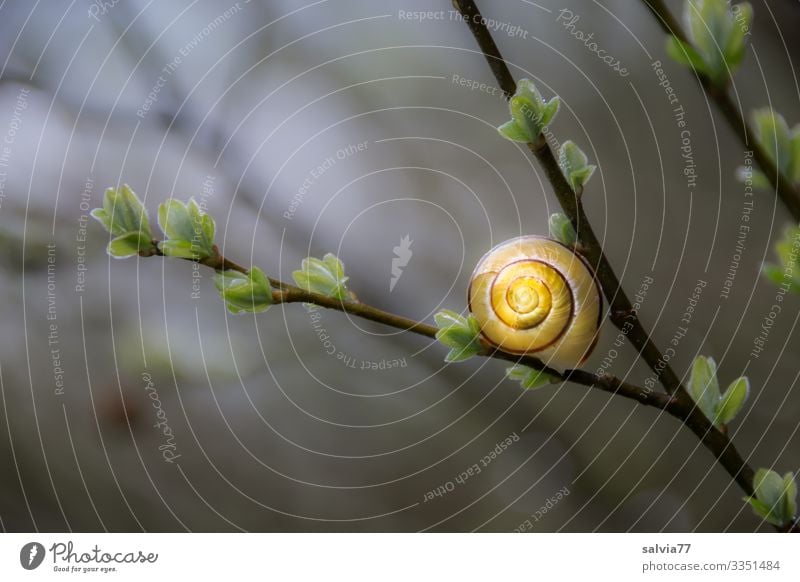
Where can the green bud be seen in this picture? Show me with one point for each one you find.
(703, 385)
(775, 498)
(561, 229)
(124, 216)
(529, 378)
(717, 33)
(244, 292)
(704, 389)
(787, 273)
(732, 401)
(530, 114)
(324, 276)
(460, 334)
(575, 165)
(189, 230)
(781, 144)
(129, 244)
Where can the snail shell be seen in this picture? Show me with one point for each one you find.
(534, 296)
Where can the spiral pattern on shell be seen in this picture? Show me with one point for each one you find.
(534, 296)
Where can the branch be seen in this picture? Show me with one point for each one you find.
(787, 192)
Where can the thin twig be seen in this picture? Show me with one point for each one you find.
(788, 193)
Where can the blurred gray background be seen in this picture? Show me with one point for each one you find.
(247, 101)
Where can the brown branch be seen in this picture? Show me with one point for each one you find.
(606, 383)
(788, 192)
(216, 262)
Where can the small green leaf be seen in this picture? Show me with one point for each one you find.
(529, 378)
(775, 497)
(174, 220)
(760, 508)
(787, 274)
(704, 19)
(324, 276)
(561, 229)
(180, 249)
(774, 134)
(781, 144)
(511, 131)
(703, 388)
(768, 486)
(703, 385)
(578, 178)
(527, 89)
(732, 401)
(527, 116)
(122, 212)
(460, 334)
(244, 292)
(460, 354)
(189, 230)
(735, 48)
(530, 114)
(335, 266)
(128, 245)
(575, 165)
(456, 337)
(788, 248)
(448, 318)
(718, 34)
(571, 157)
(549, 112)
(760, 180)
(683, 53)
(774, 273)
(124, 216)
(102, 217)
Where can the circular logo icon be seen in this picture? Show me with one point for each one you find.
(31, 555)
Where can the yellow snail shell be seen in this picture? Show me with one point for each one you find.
(534, 296)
